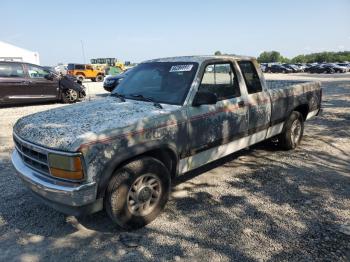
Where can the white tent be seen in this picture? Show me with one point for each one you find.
(10, 52)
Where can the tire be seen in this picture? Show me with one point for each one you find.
(69, 96)
(293, 131)
(93, 79)
(129, 191)
(80, 78)
(99, 78)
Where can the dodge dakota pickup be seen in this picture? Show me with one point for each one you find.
(167, 117)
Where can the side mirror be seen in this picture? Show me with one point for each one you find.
(50, 76)
(204, 98)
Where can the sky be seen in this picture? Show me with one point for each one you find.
(139, 30)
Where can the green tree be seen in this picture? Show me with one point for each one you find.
(217, 53)
(270, 57)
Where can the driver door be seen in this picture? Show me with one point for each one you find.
(212, 126)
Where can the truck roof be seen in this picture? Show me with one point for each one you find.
(198, 59)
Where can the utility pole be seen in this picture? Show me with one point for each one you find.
(83, 50)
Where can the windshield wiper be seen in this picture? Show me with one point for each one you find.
(148, 99)
(120, 96)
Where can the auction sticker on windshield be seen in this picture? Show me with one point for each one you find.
(181, 68)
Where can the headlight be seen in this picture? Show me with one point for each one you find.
(67, 167)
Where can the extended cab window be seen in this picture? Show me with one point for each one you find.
(37, 72)
(250, 76)
(11, 70)
(221, 80)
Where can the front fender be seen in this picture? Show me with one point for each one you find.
(127, 155)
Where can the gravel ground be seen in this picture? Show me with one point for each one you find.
(256, 205)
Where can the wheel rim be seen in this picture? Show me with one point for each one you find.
(296, 131)
(144, 195)
(71, 95)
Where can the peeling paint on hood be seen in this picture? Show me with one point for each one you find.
(62, 128)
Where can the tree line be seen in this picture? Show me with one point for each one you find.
(328, 57)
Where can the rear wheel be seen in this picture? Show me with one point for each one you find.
(69, 96)
(99, 78)
(137, 193)
(293, 131)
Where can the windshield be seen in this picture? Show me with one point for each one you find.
(163, 82)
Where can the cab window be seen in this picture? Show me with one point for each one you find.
(251, 77)
(221, 80)
(37, 72)
(79, 67)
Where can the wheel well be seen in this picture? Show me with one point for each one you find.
(80, 74)
(303, 110)
(165, 155)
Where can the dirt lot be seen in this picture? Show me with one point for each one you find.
(259, 204)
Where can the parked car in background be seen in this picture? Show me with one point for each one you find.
(346, 65)
(320, 69)
(168, 117)
(27, 83)
(83, 71)
(294, 68)
(276, 68)
(111, 82)
(301, 66)
(263, 67)
(61, 69)
(337, 68)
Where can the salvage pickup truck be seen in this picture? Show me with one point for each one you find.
(167, 117)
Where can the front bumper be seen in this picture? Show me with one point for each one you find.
(72, 199)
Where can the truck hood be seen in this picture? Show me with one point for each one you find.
(67, 127)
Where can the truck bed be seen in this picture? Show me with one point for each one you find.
(281, 84)
(286, 95)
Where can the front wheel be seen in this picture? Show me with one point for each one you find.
(137, 193)
(293, 131)
(99, 78)
(69, 96)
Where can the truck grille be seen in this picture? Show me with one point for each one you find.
(32, 156)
